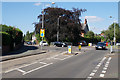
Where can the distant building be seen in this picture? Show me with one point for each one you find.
(84, 28)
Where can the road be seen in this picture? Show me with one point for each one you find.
(88, 63)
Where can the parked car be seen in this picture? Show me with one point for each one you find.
(60, 44)
(100, 45)
(29, 43)
(44, 43)
(118, 44)
(82, 43)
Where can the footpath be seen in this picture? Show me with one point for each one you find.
(23, 52)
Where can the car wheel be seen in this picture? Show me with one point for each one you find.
(96, 48)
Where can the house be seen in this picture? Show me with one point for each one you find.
(84, 28)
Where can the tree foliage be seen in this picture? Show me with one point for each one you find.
(90, 34)
(28, 36)
(70, 27)
(109, 33)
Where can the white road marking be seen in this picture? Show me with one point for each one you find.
(20, 67)
(109, 58)
(105, 68)
(92, 74)
(58, 58)
(37, 68)
(96, 67)
(20, 70)
(88, 78)
(42, 62)
(101, 75)
(108, 62)
(67, 57)
(94, 70)
(103, 71)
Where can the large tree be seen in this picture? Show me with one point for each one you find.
(70, 26)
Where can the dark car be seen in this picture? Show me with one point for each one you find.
(100, 45)
(82, 43)
(60, 44)
(29, 43)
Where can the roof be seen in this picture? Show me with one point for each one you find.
(84, 26)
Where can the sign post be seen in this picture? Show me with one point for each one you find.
(42, 34)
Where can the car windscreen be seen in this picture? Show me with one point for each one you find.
(101, 44)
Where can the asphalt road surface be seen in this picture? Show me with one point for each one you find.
(88, 64)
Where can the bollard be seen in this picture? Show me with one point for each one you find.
(111, 50)
(69, 49)
(79, 47)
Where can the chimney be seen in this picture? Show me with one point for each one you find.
(85, 21)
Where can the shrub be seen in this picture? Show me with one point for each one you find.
(6, 39)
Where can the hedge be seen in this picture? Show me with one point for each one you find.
(11, 33)
(6, 39)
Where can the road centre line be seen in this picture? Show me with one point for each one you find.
(95, 70)
(92, 74)
(102, 75)
(103, 71)
(37, 68)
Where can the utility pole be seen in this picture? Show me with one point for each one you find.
(58, 28)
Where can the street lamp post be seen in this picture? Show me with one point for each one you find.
(58, 28)
(42, 25)
(114, 32)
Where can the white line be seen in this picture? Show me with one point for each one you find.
(92, 74)
(94, 70)
(107, 62)
(67, 57)
(19, 67)
(37, 68)
(105, 68)
(42, 62)
(88, 78)
(20, 70)
(103, 71)
(58, 58)
(96, 67)
(101, 75)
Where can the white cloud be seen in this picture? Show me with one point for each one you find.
(93, 18)
(47, 5)
(37, 4)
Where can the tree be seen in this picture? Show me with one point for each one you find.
(90, 34)
(70, 27)
(109, 33)
(28, 36)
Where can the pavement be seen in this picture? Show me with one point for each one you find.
(26, 50)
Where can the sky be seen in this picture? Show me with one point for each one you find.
(23, 14)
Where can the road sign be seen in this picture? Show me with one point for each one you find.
(69, 49)
(42, 32)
